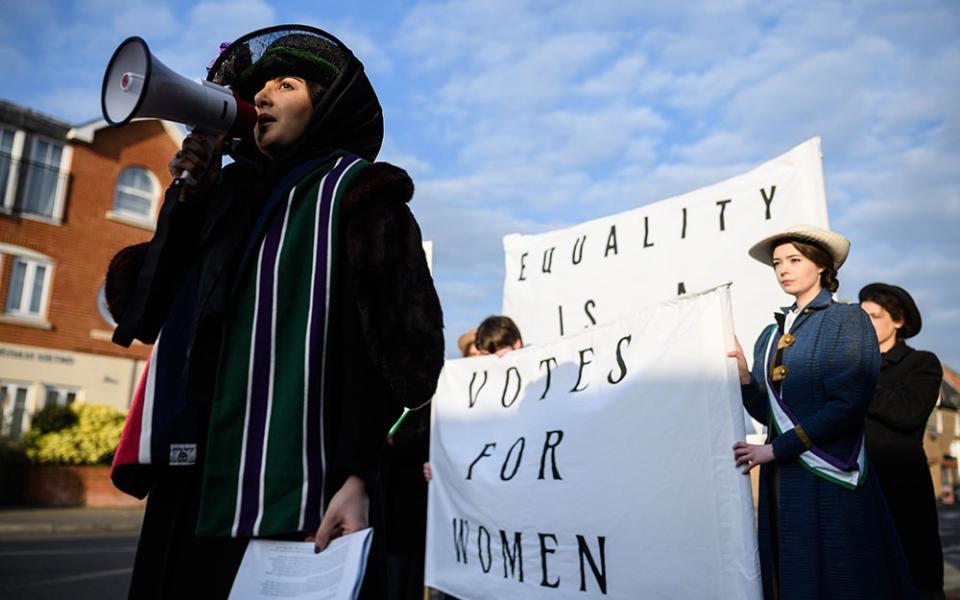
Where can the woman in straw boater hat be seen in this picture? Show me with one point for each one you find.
(824, 528)
(293, 314)
(896, 422)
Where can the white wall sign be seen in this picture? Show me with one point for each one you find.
(561, 281)
(596, 466)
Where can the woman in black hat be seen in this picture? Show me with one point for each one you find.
(896, 421)
(293, 313)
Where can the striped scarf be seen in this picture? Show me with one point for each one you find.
(265, 460)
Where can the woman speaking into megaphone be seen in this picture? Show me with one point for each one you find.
(293, 314)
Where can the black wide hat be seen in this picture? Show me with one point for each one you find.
(883, 293)
(348, 115)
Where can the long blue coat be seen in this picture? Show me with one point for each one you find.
(817, 538)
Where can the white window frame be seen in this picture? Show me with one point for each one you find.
(147, 222)
(62, 392)
(32, 261)
(6, 414)
(8, 195)
(59, 195)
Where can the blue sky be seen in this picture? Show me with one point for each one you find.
(520, 116)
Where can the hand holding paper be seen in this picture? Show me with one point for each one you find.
(274, 569)
(348, 512)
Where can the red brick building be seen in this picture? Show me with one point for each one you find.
(942, 442)
(70, 197)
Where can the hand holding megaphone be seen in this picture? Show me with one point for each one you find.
(197, 163)
(137, 85)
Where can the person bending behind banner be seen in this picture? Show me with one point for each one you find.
(896, 422)
(824, 528)
(498, 334)
(297, 315)
(467, 343)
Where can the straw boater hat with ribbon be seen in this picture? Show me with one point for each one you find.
(833, 243)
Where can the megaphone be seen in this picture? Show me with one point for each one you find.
(137, 85)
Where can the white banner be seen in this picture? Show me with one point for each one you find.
(599, 465)
(564, 280)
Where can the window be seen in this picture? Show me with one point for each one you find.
(11, 144)
(27, 293)
(136, 194)
(13, 409)
(55, 395)
(43, 191)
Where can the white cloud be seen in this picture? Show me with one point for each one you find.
(134, 17)
(527, 115)
(207, 25)
(376, 61)
(467, 34)
(15, 64)
(588, 111)
(619, 80)
(930, 277)
(73, 105)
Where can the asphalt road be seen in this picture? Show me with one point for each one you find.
(97, 566)
(83, 567)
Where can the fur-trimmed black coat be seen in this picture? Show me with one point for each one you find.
(390, 336)
(385, 348)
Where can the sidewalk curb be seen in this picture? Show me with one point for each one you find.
(47, 528)
(44, 521)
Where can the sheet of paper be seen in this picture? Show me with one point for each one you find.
(273, 569)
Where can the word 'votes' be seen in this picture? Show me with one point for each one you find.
(513, 379)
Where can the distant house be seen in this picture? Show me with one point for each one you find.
(942, 442)
(70, 197)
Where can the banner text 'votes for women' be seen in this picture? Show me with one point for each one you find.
(599, 465)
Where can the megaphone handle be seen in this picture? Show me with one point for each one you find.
(187, 178)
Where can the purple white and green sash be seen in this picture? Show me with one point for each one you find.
(265, 462)
(847, 473)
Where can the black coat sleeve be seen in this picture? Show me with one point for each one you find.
(393, 356)
(904, 400)
(400, 315)
(163, 263)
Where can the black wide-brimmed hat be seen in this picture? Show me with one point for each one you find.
(249, 62)
(883, 294)
(347, 116)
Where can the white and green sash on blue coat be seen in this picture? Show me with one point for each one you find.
(847, 473)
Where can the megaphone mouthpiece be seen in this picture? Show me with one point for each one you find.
(131, 83)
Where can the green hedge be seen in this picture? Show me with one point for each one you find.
(88, 437)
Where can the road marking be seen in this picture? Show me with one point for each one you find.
(66, 552)
(73, 578)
